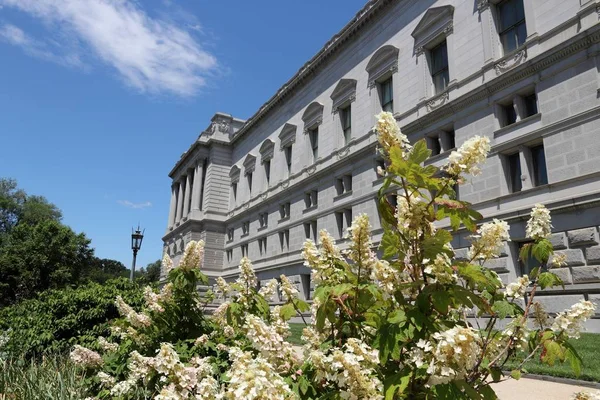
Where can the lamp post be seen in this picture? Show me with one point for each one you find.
(136, 244)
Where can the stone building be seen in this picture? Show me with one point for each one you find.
(525, 73)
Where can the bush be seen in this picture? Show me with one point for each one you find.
(58, 319)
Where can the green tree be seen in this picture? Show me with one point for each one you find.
(37, 209)
(39, 257)
(151, 273)
(102, 269)
(11, 203)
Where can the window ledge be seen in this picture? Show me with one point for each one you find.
(439, 156)
(245, 235)
(343, 195)
(525, 121)
(284, 219)
(309, 209)
(262, 228)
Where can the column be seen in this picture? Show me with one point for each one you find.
(186, 197)
(488, 31)
(197, 192)
(179, 202)
(172, 207)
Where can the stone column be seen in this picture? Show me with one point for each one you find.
(172, 207)
(488, 31)
(179, 202)
(197, 185)
(186, 197)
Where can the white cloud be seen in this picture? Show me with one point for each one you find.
(151, 55)
(131, 204)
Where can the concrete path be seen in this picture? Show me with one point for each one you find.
(534, 389)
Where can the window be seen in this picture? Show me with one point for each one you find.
(379, 165)
(284, 240)
(509, 115)
(392, 199)
(451, 139)
(344, 221)
(246, 227)
(538, 159)
(441, 141)
(433, 143)
(314, 142)
(288, 159)
(249, 176)
(513, 31)
(244, 248)
(229, 255)
(234, 190)
(439, 67)
(263, 219)
(346, 118)
(530, 105)
(387, 95)
(529, 264)
(284, 210)
(514, 173)
(343, 184)
(262, 246)
(310, 230)
(267, 165)
(230, 234)
(311, 199)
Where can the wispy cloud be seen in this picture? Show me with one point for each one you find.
(131, 204)
(150, 54)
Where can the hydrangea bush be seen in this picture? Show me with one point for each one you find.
(407, 322)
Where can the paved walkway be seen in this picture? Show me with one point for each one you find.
(534, 389)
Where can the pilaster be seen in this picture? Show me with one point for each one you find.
(172, 207)
(186, 197)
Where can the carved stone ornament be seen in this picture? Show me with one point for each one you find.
(437, 102)
(224, 126)
(264, 196)
(505, 65)
(311, 169)
(343, 152)
(482, 5)
(285, 184)
(449, 29)
(313, 124)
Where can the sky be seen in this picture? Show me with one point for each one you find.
(99, 98)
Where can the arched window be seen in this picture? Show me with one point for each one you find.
(381, 68)
(266, 155)
(312, 118)
(342, 97)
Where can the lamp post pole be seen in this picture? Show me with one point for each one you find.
(136, 244)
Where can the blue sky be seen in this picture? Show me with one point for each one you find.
(99, 98)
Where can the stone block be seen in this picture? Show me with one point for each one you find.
(592, 255)
(558, 303)
(582, 237)
(574, 257)
(586, 274)
(564, 274)
(497, 264)
(461, 254)
(558, 240)
(595, 298)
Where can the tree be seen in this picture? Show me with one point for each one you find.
(11, 203)
(102, 269)
(39, 257)
(36, 209)
(151, 273)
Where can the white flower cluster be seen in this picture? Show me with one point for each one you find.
(389, 134)
(288, 290)
(412, 215)
(85, 357)
(351, 369)
(137, 320)
(558, 260)
(467, 158)
(105, 379)
(253, 378)
(571, 321)
(193, 256)
(455, 353)
(323, 262)
(539, 225)
(517, 289)
(222, 288)
(440, 269)
(270, 343)
(587, 395)
(268, 291)
(247, 278)
(106, 345)
(488, 241)
(167, 263)
(153, 300)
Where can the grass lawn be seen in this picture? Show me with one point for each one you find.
(588, 348)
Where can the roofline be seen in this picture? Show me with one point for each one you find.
(366, 13)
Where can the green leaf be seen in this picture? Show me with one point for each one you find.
(287, 311)
(420, 152)
(549, 279)
(397, 317)
(496, 374)
(441, 301)
(553, 351)
(542, 250)
(503, 309)
(515, 374)
(390, 243)
(574, 359)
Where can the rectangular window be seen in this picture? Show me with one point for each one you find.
(310, 230)
(509, 114)
(343, 184)
(538, 158)
(234, 190)
(514, 172)
(284, 240)
(229, 255)
(344, 221)
(284, 210)
(263, 219)
(244, 248)
(246, 228)
(530, 103)
(439, 67)
(387, 95)
(379, 165)
(314, 142)
(267, 165)
(346, 118)
(262, 246)
(311, 199)
(433, 142)
(288, 159)
(513, 31)
(249, 176)
(230, 234)
(450, 139)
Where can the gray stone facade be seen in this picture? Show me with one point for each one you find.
(260, 187)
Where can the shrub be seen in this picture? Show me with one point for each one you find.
(58, 319)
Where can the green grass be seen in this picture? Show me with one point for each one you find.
(53, 378)
(588, 348)
(295, 337)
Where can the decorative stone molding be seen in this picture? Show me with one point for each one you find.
(313, 116)
(383, 63)
(343, 94)
(511, 62)
(234, 174)
(438, 101)
(266, 150)
(249, 164)
(287, 135)
(482, 5)
(311, 170)
(343, 152)
(435, 22)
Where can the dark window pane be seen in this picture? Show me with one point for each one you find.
(514, 166)
(521, 33)
(451, 140)
(439, 58)
(387, 96)
(434, 145)
(539, 165)
(530, 105)
(513, 31)
(510, 116)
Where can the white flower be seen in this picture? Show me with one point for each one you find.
(571, 321)
(136, 320)
(167, 264)
(122, 388)
(271, 344)
(517, 289)
(455, 354)
(247, 278)
(202, 340)
(154, 300)
(106, 345)
(288, 291)
(488, 241)
(223, 288)
(193, 256)
(105, 379)
(85, 357)
(586, 395)
(467, 158)
(539, 225)
(389, 134)
(166, 359)
(268, 290)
